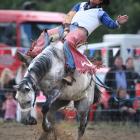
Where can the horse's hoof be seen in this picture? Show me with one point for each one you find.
(30, 121)
(47, 127)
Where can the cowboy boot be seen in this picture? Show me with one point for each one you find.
(69, 77)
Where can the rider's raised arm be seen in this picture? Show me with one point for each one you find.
(109, 22)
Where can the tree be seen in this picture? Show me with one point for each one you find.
(129, 7)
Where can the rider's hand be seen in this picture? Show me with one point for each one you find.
(122, 19)
(66, 29)
(65, 33)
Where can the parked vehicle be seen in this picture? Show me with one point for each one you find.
(18, 28)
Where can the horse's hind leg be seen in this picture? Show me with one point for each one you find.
(82, 114)
(83, 107)
(83, 123)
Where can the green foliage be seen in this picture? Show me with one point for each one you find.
(12, 4)
(117, 7)
(59, 5)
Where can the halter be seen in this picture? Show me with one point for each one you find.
(31, 80)
(36, 88)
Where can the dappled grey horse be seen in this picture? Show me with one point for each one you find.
(47, 71)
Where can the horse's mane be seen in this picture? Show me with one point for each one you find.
(41, 64)
(22, 82)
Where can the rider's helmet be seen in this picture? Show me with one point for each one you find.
(106, 2)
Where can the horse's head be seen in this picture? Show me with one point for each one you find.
(26, 94)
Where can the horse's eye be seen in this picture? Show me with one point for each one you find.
(27, 89)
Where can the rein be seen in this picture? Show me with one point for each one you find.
(102, 84)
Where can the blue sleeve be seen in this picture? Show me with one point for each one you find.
(76, 7)
(107, 21)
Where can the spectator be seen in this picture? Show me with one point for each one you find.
(116, 76)
(137, 108)
(8, 80)
(10, 107)
(119, 77)
(133, 77)
(121, 107)
(2, 98)
(130, 64)
(7, 83)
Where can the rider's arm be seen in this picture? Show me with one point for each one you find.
(70, 15)
(107, 21)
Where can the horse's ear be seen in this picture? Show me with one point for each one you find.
(16, 87)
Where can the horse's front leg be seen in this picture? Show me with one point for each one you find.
(47, 123)
(49, 117)
(54, 95)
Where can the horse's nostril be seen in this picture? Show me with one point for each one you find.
(25, 105)
(28, 102)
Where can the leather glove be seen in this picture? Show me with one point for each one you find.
(66, 29)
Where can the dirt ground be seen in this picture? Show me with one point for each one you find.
(66, 130)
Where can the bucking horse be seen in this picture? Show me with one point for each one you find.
(46, 71)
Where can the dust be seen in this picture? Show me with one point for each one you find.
(67, 130)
